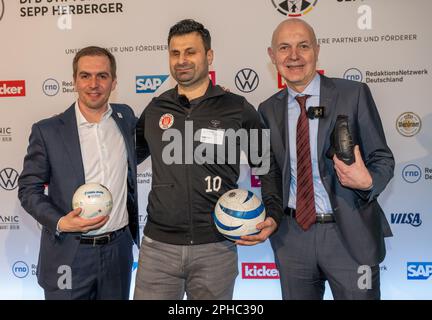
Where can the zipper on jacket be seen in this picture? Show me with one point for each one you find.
(188, 112)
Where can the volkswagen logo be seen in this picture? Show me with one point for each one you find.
(9, 178)
(246, 80)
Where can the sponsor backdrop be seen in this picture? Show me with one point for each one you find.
(384, 43)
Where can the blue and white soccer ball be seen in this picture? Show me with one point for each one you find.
(94, 199)
(237, 213)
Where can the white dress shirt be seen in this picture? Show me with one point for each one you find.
(104, 158)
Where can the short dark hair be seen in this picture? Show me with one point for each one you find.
(94, 51)
(187, 26)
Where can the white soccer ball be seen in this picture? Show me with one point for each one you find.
(94, 199)
(237, 213)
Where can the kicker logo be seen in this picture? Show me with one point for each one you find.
(12, 88)
(149, 84)
(259, 271)
(419, 270)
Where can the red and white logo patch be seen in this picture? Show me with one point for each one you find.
(166, 121)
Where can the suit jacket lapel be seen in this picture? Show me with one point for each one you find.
(124, 131)
(69, 134)
(328, 98)
(280, 115)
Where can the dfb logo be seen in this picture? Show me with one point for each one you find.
(149, 84)
(353, 74)
(9, 178)
(411, 173)
(419, 270)
(20, 269)
(294, 8)
(246, 80)
(259, 271)
(406, 218)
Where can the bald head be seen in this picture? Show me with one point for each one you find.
(287, 24)
(294, 52)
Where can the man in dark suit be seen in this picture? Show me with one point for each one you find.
(333, 228)
(92, 141)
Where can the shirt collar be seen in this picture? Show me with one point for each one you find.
(81, 120)
(312, 89)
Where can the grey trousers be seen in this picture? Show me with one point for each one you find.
(204, 271)
(306, 259)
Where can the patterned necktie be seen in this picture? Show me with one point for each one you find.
(293, 8)
(305, 211)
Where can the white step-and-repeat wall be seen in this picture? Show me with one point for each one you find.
(385, 43)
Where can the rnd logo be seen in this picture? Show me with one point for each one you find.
(12, 88)
(259, 271)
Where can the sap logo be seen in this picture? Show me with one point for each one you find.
(134, 266)
(149, 84)
(406, 218)
(419, 270)
(259, 271)
(353, 74)
(20, 269)
(411, 173)
(15, 88)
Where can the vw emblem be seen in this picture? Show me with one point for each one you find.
(246, 80)
(9, 178)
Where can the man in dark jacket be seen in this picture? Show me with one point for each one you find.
(92, 141)
(334, 227)
(182, 251)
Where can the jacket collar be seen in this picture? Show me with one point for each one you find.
(70, 137)
(172, 95)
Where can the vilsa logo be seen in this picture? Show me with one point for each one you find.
(149, 84)
(406, 218)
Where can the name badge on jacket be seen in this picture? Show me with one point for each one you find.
(212, 136)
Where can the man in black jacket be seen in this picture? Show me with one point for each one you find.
(182, 251)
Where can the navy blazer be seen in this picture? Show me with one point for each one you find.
(54, 159)
(360, 219)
